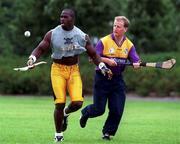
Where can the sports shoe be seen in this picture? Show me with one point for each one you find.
(106, 136)
(65, 123)
(58, 138)
(83, 120)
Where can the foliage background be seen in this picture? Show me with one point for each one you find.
(154, 30)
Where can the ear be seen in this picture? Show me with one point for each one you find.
(126, 29)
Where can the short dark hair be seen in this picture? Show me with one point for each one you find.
(71, 11)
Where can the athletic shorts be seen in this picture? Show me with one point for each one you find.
(66, 79)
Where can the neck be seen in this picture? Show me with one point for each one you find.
(67, 28)
(119, 39)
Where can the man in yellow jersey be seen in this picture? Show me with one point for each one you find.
(115, 49)
(67, 42)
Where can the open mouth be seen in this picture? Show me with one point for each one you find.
(62, 22)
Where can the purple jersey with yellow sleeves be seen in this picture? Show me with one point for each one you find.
(107, 47)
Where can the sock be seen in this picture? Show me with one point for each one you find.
(65, 114)
(58, 134)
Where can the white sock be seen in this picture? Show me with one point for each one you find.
(58, 134)
(65, 114)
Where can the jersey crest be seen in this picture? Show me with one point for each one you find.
(68, 41)
(112, 50)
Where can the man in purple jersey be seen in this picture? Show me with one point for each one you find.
(114, 49)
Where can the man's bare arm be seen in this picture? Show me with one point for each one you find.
(92, 52)
(43, 46)
(97, 59)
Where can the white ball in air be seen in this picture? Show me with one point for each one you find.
(27, 33)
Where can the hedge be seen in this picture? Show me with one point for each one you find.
(144, 81)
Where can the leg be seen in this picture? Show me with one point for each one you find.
(75, 92)
(101, 90)
(59, 88)
(116, 104)
(73, 106)
(58, 116)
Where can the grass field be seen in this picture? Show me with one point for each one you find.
(29, 120)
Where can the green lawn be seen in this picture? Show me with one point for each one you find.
(29, 120)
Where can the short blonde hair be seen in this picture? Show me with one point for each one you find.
(124, 19)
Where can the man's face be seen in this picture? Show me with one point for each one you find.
(66, 20)
(118, 28)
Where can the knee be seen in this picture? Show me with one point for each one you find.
(76, 105)
(59, 106)
(99, 111)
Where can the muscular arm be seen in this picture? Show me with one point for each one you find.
(97, 59)
(43, 46)
(92, 52)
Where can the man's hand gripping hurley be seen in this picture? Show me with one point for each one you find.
(30, 64)
(33, 65)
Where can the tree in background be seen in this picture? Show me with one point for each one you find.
(93, 16)
(29, 15)
(153, 25)
(176, 14)
(154, 28)
(5, 28)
